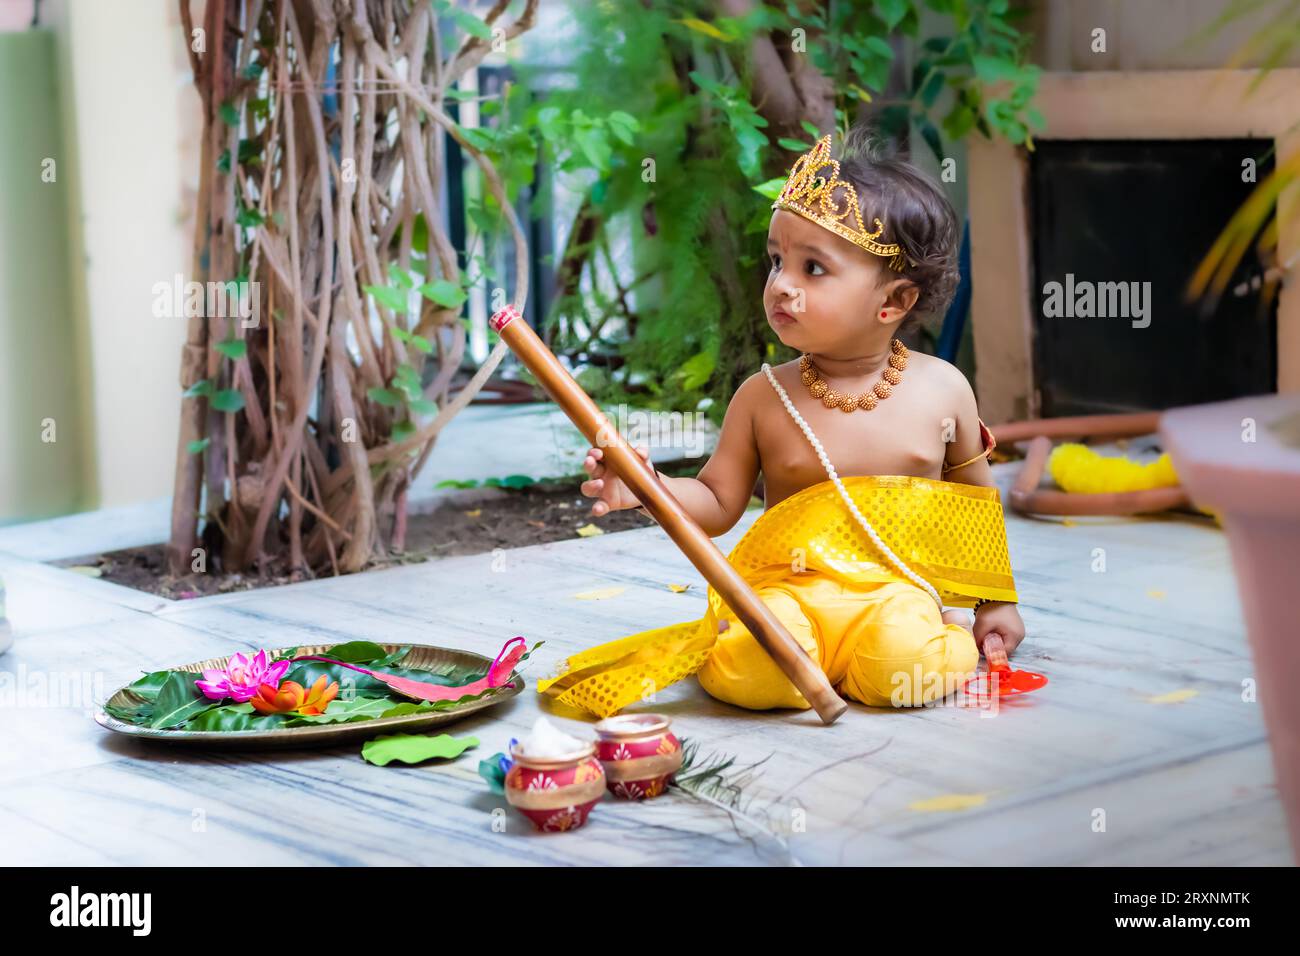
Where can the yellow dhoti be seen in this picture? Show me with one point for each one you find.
(878, 637)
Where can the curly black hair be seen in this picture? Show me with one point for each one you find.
(916, 213)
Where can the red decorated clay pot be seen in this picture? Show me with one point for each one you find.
(639, 754)
(555, 793)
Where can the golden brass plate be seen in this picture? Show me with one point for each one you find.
(422, 657)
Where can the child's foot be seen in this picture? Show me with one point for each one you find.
(958, 617)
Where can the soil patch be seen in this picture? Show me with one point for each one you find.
(510, 518)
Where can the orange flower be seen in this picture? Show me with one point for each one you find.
(292, 698)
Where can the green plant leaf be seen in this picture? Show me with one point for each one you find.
(892, 11)
(706, 29)
(178, 701)
(400, 276)
(202, 388)
(931, 137)
(444, 293)
(470, 23)
(422, 406)
(414, 748)
(878, 46)
(402, 430)
(385, 396)
(393, 299)
(356, 652)
(232, 718)
(771, 189)
(595, 146)
(249, 217)
(696, 370)
(794, 145)
(343, 712)
(197, 445)
(150, 684)
(233, 349)
(229, 115)
(990, 69)
(228, 400)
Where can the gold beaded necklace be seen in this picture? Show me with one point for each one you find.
(810, 375)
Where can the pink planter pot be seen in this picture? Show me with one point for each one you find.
(639, 754)
(557, 793)
(1255, 488)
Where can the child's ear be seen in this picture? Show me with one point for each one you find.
(901, 295)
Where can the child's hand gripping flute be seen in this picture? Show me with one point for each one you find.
(665, 509)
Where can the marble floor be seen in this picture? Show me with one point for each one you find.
(1146, 748)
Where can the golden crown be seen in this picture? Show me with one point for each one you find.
(811, 195)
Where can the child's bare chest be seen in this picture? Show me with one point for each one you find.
(895, 438)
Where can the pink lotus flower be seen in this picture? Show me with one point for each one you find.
(242, 677)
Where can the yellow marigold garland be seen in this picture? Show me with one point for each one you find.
(1079, 469)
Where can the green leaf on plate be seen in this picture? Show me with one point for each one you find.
(343, 711)
(414, 748)
(178, 700)
(233, 718)
(356, 652)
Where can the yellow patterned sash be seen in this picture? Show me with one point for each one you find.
(951, 534)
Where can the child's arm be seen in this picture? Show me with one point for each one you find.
(968, 441)
(717, 498)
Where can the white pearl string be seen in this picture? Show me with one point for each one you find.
(853, 508)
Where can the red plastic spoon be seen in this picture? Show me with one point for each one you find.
(1000, 679)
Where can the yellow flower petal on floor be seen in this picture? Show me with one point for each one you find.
(588, 530)
(599, 594)
(949, 802)
(1174, 697)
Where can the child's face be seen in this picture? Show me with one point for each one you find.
(823, 292)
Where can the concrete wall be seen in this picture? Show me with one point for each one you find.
(44, 436)
(126, 134)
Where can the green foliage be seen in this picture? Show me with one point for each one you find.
(679, 94)
(509, 481)
(233, 349)
(228, 400)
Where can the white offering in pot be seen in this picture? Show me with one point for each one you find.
(547, 740)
